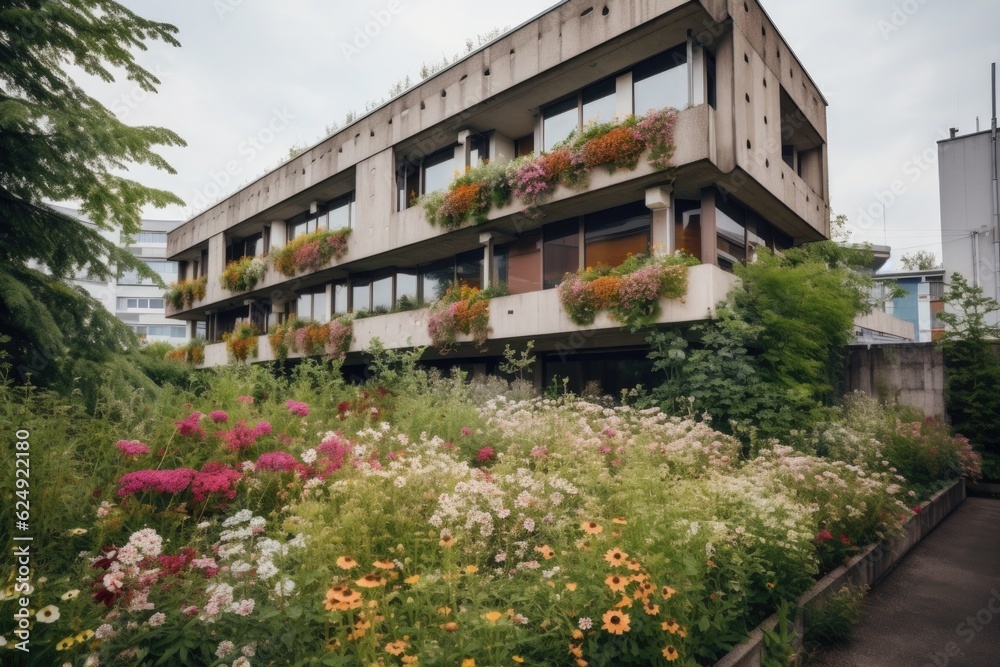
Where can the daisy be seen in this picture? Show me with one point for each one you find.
(591, 527)
(65, 644)
(670, 653)
(49, 614)
(370, 580)
(616, 622)
(385, 565)
(397, 647)
(346, 563)
(616, 583)
(616, 556)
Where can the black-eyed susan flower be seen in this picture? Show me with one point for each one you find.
(370, 580)
(591, 527)
(667, 592)
(346, 563)
(616, 583)
(670, 653)
(616, 557)
(65, 644)
(616, 622)
(412, 579)
(493, 616)
(447, 540)
(397, 647)
(620, 520)
(385, 564)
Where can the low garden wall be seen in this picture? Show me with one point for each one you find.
(866, 569)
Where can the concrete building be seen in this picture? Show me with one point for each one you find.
(136, 301)
(970, 208)
(920, 306)
(750, 169)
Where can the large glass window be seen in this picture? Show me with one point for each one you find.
(406, 284)
(167, 271)
(311, 304)
(163, 330)
(479, 150)
(599, 102)
(612, 235)
(382, 291)
(438, 170)
(524, 264)
(560, 251)
(687, 226)
(340, 213)
(731, 241)
(661, 81)
(139, 303)
(151, 237)
(340, 297)
(559, 120)
(436, 279)
(361, 293)
(469, 269)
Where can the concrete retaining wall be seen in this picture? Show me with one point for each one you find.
(866, 569)
(909, 373)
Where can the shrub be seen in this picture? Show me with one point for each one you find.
(183, 294)
(242, 275)
(241, 342)
(461, 310)
(310, 252)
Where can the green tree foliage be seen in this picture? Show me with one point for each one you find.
(920, 261)
(775, 353)
(972, 368)
(57, 143)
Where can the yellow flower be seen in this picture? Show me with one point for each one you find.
(409, 659)
(346, 563)
(385, 564)
(471, 569)
(65, 644)
(447, 540)
(616, 557)
(577, 633)
(493, 616)
(84, 636)
(444, 611)
(547, 552)
(620, 520)
(670, 653)
(671, 626)
(591, 527)
(469, 662)
(570, 586)
(516, 658)
(651, 609)
(370, 580)
(616, 583)
(396, 647)
(412, 580)
(667, 592)
(77, 531)
(615, 622)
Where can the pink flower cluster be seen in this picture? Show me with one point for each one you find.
(214, 478)
(656, 132)
(189, 426)
(297, 408)
(339, 336)
(219, 416)
(158, 481)
(277, 461)
(242, 437)
(641, 287)
(244, 399)
(486, 454)
(132, 447)
(307, 256)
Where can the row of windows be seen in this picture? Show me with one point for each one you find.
(163, 330)
(151, 237)
(337, 214)
(167, 271)
(139, 303)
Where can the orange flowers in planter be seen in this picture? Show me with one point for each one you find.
(618, 149)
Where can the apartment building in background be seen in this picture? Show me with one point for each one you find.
(136, 301)
(749, 170)
(920, 305)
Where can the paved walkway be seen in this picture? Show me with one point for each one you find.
(941, 606)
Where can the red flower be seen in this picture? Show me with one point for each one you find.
(917, 509)
(845, 539)
(823, 536)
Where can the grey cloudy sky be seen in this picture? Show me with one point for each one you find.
(897, 74)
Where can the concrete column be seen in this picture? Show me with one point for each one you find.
(279, 232)
(501, 147)
(660, 201)
(216, 265)
(277, 312)
(328, 313)
(709, 254)
(486, 238)
(623, 95)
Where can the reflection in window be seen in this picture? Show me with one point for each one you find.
(599, 102)
(406, 284)
(436, 279)
(661, 81)
(558, 121)
(469, 269)
(612, 235)
(311, 304)
(479, 150)
(361, 298)
(340, 213)
(382, 292)
(339, 297)
(560, 252)
(439, 170)
(687, 226)
(519, 264)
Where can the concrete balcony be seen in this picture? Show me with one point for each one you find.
(534, 315)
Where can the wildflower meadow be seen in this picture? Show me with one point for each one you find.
(258, 519)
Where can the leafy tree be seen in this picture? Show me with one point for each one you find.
(972, 368)
(774, 356)
(920, 261)
(57, 143)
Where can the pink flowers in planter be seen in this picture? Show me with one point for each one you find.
(297, 408)
(132, 448)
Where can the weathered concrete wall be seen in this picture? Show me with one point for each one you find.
(909, 373)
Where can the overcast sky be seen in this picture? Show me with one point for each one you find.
(896, 73)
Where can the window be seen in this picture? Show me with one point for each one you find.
(167, 271)
(595, 103)
(559, 120)
(151, 237)
(519, 264)
(139, 303)
(599, 102)
(687, 226)
(469, 269)
(479, 149)
(710, 82)
(406, 284)
(311, 304)
(436, 279)
(361, 292)
(438, 170)
(305, 223)
(247, 246)
(340, 305)
(731, 234)
(382, 291)
(611, 236)
(560, 251)
(340, 213)
(661, 81)
(164, 330)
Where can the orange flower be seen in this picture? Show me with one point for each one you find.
(447, 540)
(410, 659)
(570, 586)
(635, 566)
(548, 553)
(346, 563)
(370, 580)
(396, 647)
(583, 545)
(444, 611)
(667, 592)
(576, 650)
(616, 556)
(616, 583)
(469, 662)
(342, 598)
(493, 616)
(385, 565)
(620, 520)
(651, 609)
(624, 603)
(577, 633)
(580, 662)
(471, 569)
(670, 626)
(670, 653)
(615, 622)
(450, 626)
(516, 658)
(646, 589)
(591, 527)
(412, 579)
